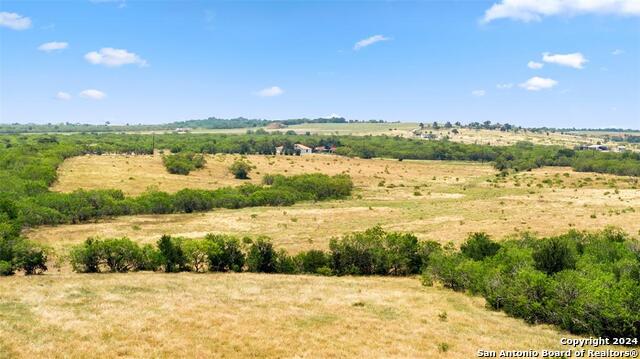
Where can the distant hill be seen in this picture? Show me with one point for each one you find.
(208, 123)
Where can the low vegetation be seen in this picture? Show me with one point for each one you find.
(587, 283)
(183, 163)
(240, 169)
(81, 206)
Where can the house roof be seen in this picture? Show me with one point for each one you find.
(302, 146)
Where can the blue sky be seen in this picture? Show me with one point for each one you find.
(162, 61)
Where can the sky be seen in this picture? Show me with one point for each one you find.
(557, 63)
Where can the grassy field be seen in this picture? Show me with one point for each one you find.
(465, 135)
(63, 314)
(250, 315)
(437, 200)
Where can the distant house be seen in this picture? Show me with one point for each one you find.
(304, 150)
(298, 149)
(324, 149)
(621, 149)
(182, 130)
(601, 148)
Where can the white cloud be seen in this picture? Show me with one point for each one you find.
(504, 86)
(93, 94)
(370, 41)
(538, 83)
(575, 60)
(53, 46)
(14, 21)
(478, 93)
(535, 10)
(111, 57)
(64, 96)
(617, 52)
(535, 65)
(270, 91)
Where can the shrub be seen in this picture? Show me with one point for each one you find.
(85, 258)
(286, 264)
(375, 251)
(6, 268)
(225, 254)
(478, 246)
(120, 254)
(526, 294)
(240, 169)
(151, 258)
(30, 257)
(402, 253)
(261, 257)
(173, 258)
(426, 249)
(326, 271)
(116, 254)
(183, 163)
(196, 254)
(446, 268)
(554, 255)
(359, 253)
(313, 260)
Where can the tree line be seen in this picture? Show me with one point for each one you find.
(17, 253)
(586, 283)
(28, 166)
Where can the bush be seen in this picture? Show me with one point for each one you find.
(120, 254)
(446, 268)
(225, 254)
(478, 246)
(402, 253)
(31, 258)
(173, 258)
(313, 260)
(196, 254)
(240, 169)
(554, 255)
(151, 259)
(262, 257)
(375, 251)
(85, 258)
(6, 268)
(183, 163)
(426, 249)
(115, 254)
(286, 264)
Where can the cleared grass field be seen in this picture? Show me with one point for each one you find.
(437, 200)
(147, 315)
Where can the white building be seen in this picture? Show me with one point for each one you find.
(304, 150)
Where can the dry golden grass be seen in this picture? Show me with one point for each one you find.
(437, 200)
(249, 315)
(465, 135)
(62, 314)
(134, 174)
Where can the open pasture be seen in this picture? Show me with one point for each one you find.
(250, 315)
(436, 200)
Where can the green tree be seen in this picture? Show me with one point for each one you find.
(554, 255)
(240, 169)
(478, 246)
